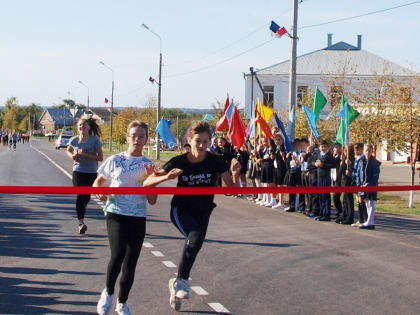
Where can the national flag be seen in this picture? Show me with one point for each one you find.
(208, 117)
(276, 30)
(348, 114)
(106, 100)
(292, 119)
(310, 116)
(263, 125)
(319, 103)
(224, 121)
(165, 133)
(287, 143)
(251, 126)
(236, 133)
(152, 80)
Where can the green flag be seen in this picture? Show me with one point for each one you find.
(351, 116)
(319, 103)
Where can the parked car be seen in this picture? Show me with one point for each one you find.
(62, 141)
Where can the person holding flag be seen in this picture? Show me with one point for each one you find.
(191, 213)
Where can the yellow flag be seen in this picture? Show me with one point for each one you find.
(265, 111)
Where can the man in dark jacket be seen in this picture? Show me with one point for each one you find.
(324, 161)
(314, 210)
(336, 180)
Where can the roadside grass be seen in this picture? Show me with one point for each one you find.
(391, 203)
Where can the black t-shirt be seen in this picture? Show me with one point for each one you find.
(200, 174)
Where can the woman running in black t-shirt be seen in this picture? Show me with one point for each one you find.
(191, 214)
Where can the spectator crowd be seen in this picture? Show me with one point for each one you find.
(265, 162)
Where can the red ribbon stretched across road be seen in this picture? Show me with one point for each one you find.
(86, 190)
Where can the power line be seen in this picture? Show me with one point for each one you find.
(220, 62)
(229, 45)
(303, 27)
(361, 15)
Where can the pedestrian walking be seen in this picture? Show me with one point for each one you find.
(191, 214)
(125, 216)
(86, 151)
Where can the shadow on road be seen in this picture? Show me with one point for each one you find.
(397, 223)
(166, 237)
(22, 296)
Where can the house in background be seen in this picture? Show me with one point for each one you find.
(316, 68)
(53, 119)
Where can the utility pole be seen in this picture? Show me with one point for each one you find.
(292, 73)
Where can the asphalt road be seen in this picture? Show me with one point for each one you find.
(255, 260)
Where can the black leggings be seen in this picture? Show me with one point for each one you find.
(82, 179)
(194, 227)
(126, 236)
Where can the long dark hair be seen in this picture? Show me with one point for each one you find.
(94, 128)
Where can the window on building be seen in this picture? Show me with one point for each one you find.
(336, 92)
(301, 92)
(269, 95)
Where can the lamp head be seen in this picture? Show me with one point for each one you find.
(145, 26)
(101, 63)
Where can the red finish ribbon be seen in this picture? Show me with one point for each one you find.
(86, 190)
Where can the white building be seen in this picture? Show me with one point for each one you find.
(314, 69)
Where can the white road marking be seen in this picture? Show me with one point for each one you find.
(218, 307)
(157, 253)
(169, 264)
(199, 290)
(55, 164)
(64, 171)
(147, 245)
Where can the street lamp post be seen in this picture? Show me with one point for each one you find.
(87, 94)
(72, 115)
(160, 87)
(112, 105)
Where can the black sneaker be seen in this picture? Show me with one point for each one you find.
(82, 228)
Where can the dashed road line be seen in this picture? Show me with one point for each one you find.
(218, 308)
(157, 253)
(199, 290)
(169, 264)
(147, 245)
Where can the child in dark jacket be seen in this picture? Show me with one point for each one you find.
(371, 178)
(324, 161)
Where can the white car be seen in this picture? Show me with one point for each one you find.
(62, 141)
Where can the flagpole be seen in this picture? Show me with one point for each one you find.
(292, 73)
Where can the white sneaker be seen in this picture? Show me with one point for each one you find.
(122, 309)
(277, 205)
(174, 301)
(105, 302)
(271, 204)
(357, 224)
(182, 289)
(265, 204)
(261, 202)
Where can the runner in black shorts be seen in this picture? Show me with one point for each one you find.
(191, 214)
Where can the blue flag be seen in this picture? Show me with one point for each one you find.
(311, 117)
(292, 119)
(344, 114)
(252, 122)
(165, 133)
(283, 130)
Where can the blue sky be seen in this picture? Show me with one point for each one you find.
(47, 46)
